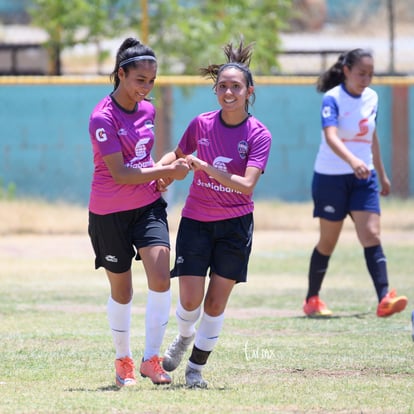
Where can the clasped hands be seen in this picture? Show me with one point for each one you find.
(181, 167)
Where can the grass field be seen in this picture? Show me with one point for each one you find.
(57, 354)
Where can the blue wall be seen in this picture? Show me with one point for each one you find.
(45, 149)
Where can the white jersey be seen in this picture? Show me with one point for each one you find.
(355, 119)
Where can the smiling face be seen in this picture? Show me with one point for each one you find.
(232, 91)
(359, 76)
(135, 83)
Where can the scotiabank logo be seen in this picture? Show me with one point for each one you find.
(221, 163)
(363, 127)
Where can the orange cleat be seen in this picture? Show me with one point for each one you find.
(152, 369)
(316, 308)
(125, 372)
(391, 303)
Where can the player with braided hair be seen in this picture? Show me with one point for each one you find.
(216, 227)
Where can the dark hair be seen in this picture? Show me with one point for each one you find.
(129, 48)
(335, 74)
(238, 58)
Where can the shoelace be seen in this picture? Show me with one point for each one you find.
(128, 368)
(156, 365)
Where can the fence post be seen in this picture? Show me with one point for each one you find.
(400, 141)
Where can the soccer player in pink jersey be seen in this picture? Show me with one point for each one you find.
(347, 167)
(216, 227)
(127, 215)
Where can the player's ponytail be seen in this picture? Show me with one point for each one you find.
(238, 58)
(129, 53)
(335, 74)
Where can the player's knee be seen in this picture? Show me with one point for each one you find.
(122, 296)
(213, 307)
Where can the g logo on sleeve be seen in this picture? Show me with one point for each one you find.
(100, 135)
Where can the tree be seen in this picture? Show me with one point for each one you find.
(190, 34)
(186, 34)
(74, 22)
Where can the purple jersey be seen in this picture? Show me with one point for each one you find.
(231, 149)
(112, 129)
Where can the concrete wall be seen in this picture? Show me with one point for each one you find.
(45, 149)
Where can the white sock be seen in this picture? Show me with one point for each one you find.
(156, 321)
(186, 320)
(119, 318)
(208, 331)
(194, 366)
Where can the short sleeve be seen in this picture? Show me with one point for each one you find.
(329, 112)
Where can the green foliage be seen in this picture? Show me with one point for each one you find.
(68, 23)
(186, 35)
(7, 192)
(189, 35)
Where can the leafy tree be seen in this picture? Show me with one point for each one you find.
(61, 20)
(104, 20)
(190, 34)
(186, 34)
(74, 22)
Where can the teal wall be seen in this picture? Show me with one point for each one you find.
(45, 149)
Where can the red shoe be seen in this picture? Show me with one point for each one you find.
(152, 369)
(316, 308)
(391, 303)
(125, 372)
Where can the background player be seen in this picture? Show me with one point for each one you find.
(345, 177)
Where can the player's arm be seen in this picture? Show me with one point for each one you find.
(125, 175)
(171, 156)
(360, 169)
(245, 184)
(379, 166)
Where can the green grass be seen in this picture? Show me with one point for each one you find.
(57, 354)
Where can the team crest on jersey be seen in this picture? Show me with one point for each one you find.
(326, 111)
(221, 163)
(243, 148)
(100, 135)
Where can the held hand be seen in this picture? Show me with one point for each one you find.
(180, 169)
(163, 183)
(195, 163)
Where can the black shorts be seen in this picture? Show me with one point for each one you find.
(117, 237)
(223, 246)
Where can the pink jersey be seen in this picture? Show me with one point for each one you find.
(112, 129)
(228, 148)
